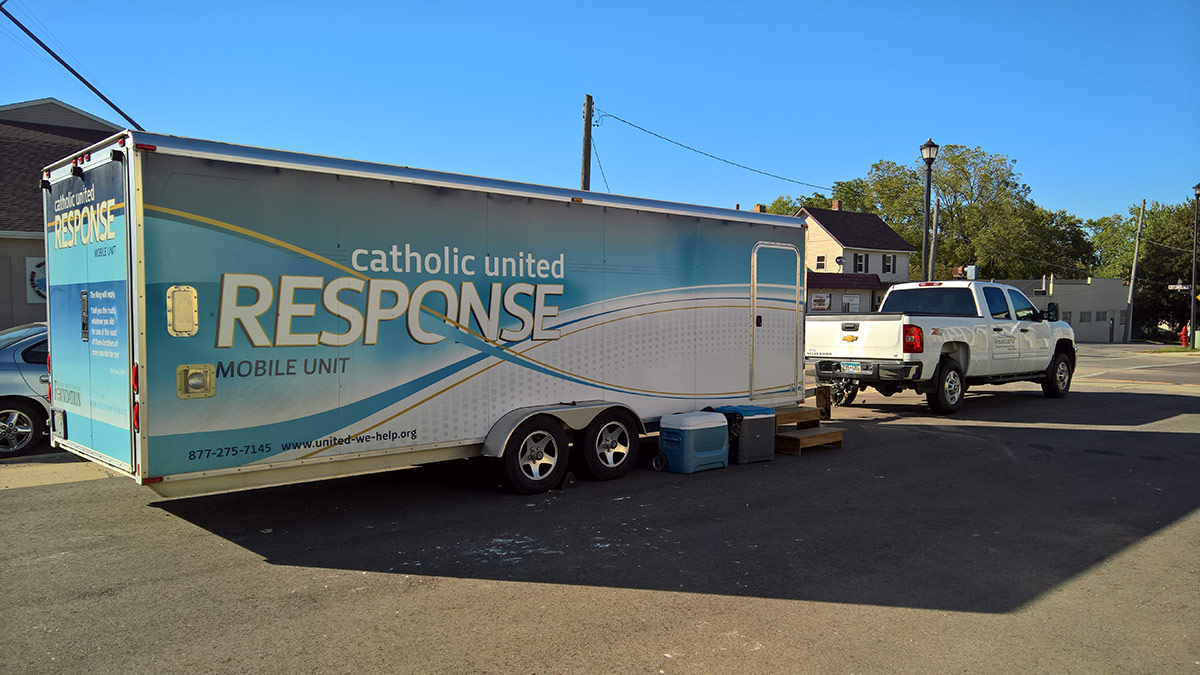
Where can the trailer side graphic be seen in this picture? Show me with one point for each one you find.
(286, 314)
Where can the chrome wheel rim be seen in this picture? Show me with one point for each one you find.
(16, 430)
(612, 444)
(538, 455)
(953, 387)
(1062, 374)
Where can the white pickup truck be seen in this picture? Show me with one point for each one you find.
(938, 337)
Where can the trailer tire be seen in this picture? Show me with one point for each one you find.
(946, 397)
(21, 427)
(610, 444)
(535, 458)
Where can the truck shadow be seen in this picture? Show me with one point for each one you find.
(923, 516)
(1026, 404)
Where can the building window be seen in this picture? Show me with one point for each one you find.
(889, 263)
(1102, 316)
(861, 263)
(850, 302)
(1066, 316)
(820, 263)
(1085, 317)
(1124, 316)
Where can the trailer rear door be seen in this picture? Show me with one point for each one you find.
(87, 274)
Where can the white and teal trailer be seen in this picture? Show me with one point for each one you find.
(224, 317)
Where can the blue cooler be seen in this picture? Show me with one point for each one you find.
(751, 432)
(694, 441)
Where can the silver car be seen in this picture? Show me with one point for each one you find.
(24, 380)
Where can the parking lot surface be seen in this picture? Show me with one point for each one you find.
(1023, 534)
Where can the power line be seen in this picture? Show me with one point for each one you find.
(64, 64)
(1185, 250)
(596, 152)
(604, 114)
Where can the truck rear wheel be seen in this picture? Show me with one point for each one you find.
(1058, 377)
(610, 445)
(949, 387)
(535, 458)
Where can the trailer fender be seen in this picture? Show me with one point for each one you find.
(574, 416)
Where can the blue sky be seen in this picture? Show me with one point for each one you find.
(1099, 102)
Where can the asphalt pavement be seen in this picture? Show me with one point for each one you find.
(1023, 534)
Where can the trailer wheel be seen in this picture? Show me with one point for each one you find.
(21, 427)
(947, 395)
(536, 456)
(610, 444)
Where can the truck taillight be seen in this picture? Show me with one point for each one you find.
(136, 426)
(914, 339)
(134, 379)
(49, 383)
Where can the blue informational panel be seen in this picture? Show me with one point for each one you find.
(88, 310)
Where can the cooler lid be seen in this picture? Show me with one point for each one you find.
(692, 420)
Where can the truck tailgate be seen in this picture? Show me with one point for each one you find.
(854, 336)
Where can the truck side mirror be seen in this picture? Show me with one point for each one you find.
(1051, 313)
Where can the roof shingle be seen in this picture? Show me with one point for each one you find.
(859, 230)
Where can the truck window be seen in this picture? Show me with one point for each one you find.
(958, 301)
(997, 305)
(1022, 306)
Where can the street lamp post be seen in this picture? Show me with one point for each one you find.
(928, 153)
(1192, 290)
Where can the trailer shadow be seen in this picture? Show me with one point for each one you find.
(927, 516)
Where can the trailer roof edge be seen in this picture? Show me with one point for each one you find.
(176, 145)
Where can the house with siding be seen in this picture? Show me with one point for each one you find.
(851, 259)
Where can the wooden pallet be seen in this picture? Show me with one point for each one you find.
(797, 428)
(792, 442)
(796, 417)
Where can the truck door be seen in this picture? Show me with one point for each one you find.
(1033, 337)
(1005, 352)
(87, 272)
(776, 320)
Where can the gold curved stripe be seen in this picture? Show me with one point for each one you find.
(255, 235)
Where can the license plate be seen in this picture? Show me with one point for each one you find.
(856, 368)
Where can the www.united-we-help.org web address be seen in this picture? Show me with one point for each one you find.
(319, 444)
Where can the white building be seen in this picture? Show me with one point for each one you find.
(1096, 308)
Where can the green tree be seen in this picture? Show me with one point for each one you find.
(985, 215)
(1165, 258)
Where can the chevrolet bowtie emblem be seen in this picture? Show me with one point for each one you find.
(850, 338)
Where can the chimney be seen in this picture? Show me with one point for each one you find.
(836, 205)
(760, 208)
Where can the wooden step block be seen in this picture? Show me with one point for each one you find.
(793, 415)
(792, 442)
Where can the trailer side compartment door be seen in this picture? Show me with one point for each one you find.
(776, 319)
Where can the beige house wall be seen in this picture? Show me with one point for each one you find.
(820, 243)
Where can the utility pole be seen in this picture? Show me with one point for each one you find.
(1137, 242)
(585, 176)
